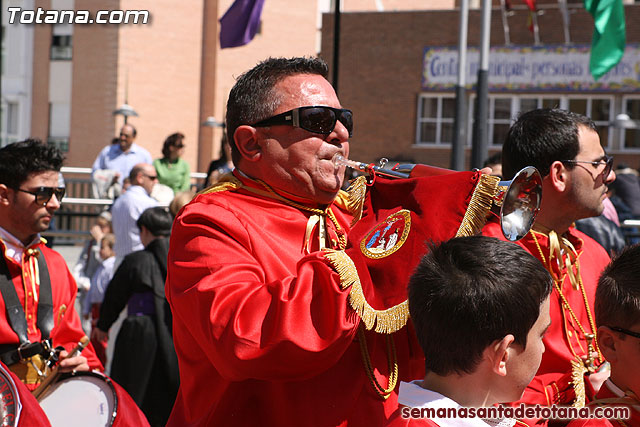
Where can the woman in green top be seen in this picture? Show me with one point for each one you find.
(173, 171)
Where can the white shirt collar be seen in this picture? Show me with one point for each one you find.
(13, 246)
(413, 395)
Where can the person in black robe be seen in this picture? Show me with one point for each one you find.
(144, 358)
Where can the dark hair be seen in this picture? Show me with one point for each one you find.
(470, 291)
(252, 98)
(171, 141)
(541, 137)
(494, 159)
(20, 159)
(157, 220)
(618, 292)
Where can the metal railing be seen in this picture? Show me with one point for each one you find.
(79, 209)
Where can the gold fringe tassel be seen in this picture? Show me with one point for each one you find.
(356, 192)
(577, 380)
(386, 321)
(481, 201)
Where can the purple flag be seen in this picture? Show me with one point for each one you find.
(240, 23)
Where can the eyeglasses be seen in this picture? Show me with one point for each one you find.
(608, 164)
(44, 194)
(316, 119)
(625, 331)
(151, 177)
(179, 146)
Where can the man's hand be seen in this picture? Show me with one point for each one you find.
(76, 363)
(96, 232)
(599, 377)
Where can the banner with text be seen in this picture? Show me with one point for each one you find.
(527, 69)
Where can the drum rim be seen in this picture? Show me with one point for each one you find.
(98, 375)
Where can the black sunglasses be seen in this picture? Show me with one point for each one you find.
(44, 194)
(625, 331)
(608, 164)
(316, 119)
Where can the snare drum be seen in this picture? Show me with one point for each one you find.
(80, 399)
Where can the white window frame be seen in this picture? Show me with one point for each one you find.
(438, 120)
(622, 133)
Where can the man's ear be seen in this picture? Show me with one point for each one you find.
(4, 195)
(607, 342)
(558, 176)
(498, 354)
(246, 138)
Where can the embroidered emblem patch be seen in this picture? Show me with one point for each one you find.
(388, 236)
(10, 405)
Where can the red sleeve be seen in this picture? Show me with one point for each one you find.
(256, 308)
(67, 330)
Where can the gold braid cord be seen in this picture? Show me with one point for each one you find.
(577, 381)
(481, 201)
(392, 361)
(385, 321)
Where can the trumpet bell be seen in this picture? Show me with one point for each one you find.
(519, 203)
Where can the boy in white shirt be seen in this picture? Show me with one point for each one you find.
(480, 307)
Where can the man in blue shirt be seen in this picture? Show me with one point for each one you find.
(121, 157)
(127, 209)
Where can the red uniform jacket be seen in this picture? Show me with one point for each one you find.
(564, 339)
(67, 330)
(607, 393)
(263, 333)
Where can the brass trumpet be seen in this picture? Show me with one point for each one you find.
(516, 202)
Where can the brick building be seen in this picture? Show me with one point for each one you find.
(62, 82)
(403, 112)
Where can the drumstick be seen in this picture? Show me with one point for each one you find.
(55, 373)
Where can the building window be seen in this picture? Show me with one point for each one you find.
(435, 119)
(631, 137)
(599, 110)
(61, 48)
(505, 109)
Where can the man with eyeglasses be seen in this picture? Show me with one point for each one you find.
(262, 325)
(120, 157)
(38, 292)
(129, 206)
(565, 148)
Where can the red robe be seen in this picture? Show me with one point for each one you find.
(563, 340)
(606, 392)
(18, 403)
(264, 333)
(67, 330)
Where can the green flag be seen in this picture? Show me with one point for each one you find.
(607, 45)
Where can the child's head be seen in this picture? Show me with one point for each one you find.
(104, 222)
(106, 246)
(472, 296)
(617, 309)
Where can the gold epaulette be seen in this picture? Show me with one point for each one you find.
(227, 182)
(352, 200)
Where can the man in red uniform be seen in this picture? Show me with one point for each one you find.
(618, 319)
(262, 328)
(565, 148)
(39, 306)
